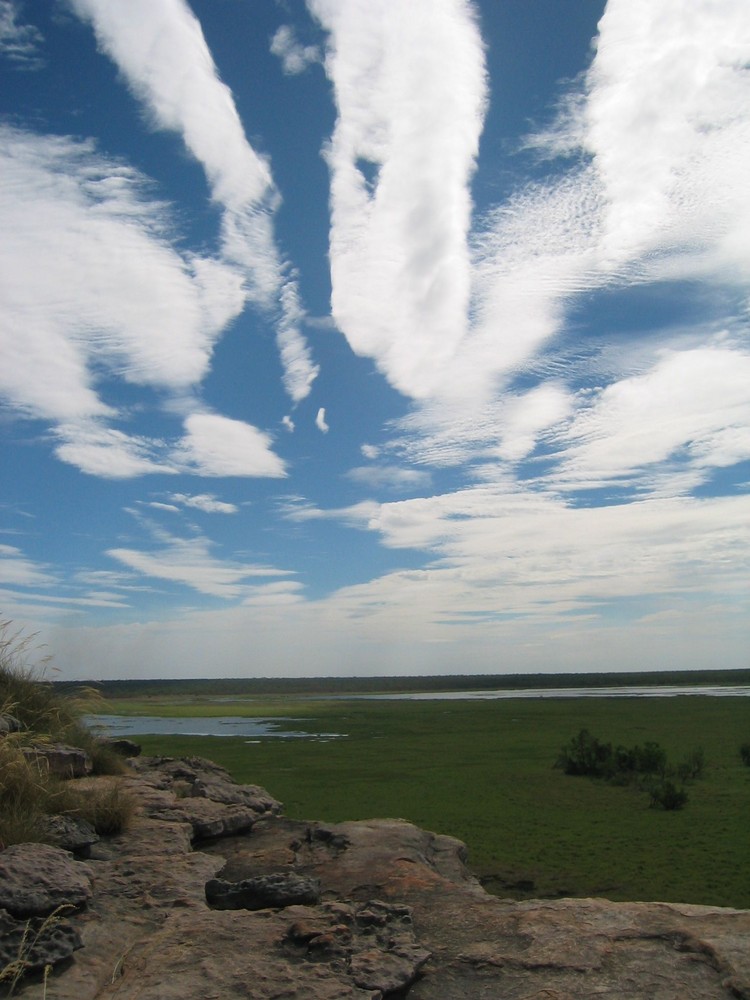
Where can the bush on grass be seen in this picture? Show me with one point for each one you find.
(745, 753)
(644, 766)
(666, 795)
(586, 755)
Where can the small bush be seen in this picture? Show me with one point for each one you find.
(585, 755)
(745, 753)
(692, 766)
(666, 795)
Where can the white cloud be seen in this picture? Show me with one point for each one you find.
(217, 446)
(109, 453)
(667, 123)
(205, 502)
(295, 57)
(693, 405)
(296, 359)
(20, 43)
(389, 477)
(91, 284)
(320, 421)
(512, 553)
(17, 570)
(410, 89)
(160, 49)
(189, 562)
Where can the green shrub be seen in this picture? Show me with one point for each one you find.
(585, 755)
(692, 766)
(644, 766)
(666, 795)
(745, 753)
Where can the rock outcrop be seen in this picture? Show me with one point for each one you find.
(394, 912)
(60, 760)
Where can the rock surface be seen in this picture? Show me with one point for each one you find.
(32, 945)
(72, 833)
(36, 879)
(398, 914)
(262, 892)
(60, 760)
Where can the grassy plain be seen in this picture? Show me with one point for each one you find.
(483, 771)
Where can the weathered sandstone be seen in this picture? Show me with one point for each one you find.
(398, 914)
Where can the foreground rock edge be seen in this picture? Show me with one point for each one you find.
(397, 913)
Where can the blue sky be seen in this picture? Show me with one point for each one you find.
(361, 337)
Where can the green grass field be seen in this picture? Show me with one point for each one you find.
(483, 771)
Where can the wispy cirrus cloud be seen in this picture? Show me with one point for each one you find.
(89, 273)
(191, 563)
(392, 478)
(692, 408)
(16, 569)
(20, 43)
(648, 190)
(160, 49)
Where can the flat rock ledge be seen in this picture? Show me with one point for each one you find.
(369, 910)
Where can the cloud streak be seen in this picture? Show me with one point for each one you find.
(189, 562)
(160, 49)
(410, 89)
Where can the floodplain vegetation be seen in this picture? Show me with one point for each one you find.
(480, 770)
(28, 791)
(484, 771)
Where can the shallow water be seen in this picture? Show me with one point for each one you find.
(228, 725)
(262, 728)
(646, 691)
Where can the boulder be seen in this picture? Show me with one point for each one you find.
(208, 819)
(203, 795)
(125, 748)
(200, 778)
(72, 833)
(37, 879)
(60, 760)
(263, 892)
(9, 724)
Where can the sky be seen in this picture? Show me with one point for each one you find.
(359, 337)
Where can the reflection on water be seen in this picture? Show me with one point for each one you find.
(157, 725)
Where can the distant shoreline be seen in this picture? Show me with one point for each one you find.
(249, 686)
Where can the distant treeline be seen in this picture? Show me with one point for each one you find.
(248, 686)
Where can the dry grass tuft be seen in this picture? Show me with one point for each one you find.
(27, 792)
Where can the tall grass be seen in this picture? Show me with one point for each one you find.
(28, 793)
